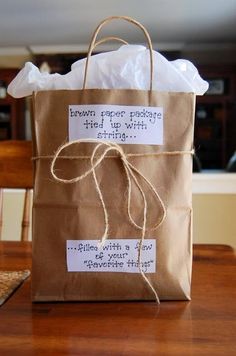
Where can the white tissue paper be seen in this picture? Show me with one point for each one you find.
(126, 68)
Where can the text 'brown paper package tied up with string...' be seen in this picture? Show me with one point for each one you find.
(112, 210)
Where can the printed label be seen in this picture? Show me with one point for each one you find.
(119, 255)
(116, 123)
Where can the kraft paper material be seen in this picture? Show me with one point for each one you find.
(64, 212)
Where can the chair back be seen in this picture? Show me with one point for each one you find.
(16, 172)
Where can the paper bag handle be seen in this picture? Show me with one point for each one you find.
(107, 39)
(94, 37)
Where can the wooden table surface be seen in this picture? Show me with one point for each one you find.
(205, 326)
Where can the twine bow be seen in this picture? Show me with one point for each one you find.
(131, 174)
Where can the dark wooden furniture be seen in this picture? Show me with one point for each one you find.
(215, 126)
(12, 115)
(16, 172)
(206, 325)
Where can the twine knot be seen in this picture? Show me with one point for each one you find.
(131, 174)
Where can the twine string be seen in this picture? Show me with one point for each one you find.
(131, 155)
(130, 171)
(94, 38)
(132, 174)
(129, 168)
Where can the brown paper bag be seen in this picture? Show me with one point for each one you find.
(75, 211)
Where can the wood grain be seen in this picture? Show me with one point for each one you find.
(206, 325)
(15, 164)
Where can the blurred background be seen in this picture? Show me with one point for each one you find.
(54, 33)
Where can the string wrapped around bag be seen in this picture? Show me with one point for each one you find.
(131, 173)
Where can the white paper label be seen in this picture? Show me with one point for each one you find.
(116, 123)
(119, 255)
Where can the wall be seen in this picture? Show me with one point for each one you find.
(12, 214)
(214, 218)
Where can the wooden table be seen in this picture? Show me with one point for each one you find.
(205, 326)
